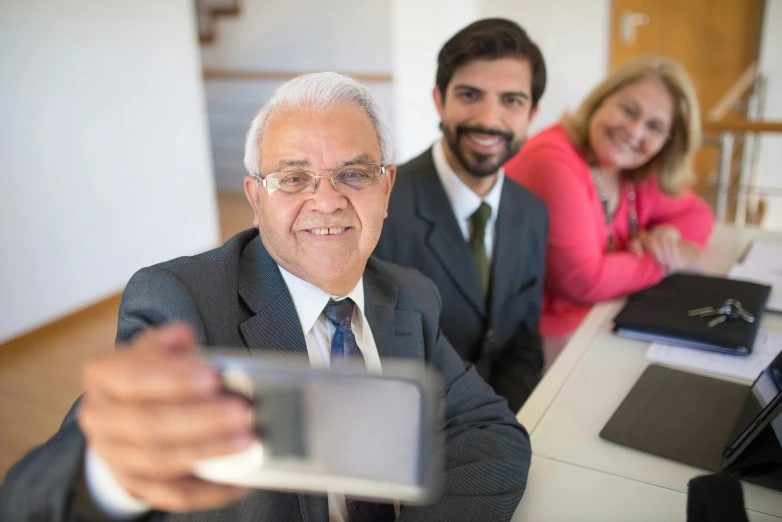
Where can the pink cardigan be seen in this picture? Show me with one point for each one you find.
(579, 271)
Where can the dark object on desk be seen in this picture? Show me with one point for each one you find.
(661, 313)
(705, 422)
(715, 498)
(678, 415)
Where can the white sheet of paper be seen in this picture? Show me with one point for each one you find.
(767, 346)
(766, 254)
(762, 264)
(766, 276)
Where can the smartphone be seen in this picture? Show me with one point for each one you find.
(367, 435)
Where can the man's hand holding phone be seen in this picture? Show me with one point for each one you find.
(154, 408)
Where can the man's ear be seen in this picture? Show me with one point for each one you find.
(439, 101)
(391, 175)
(252, 192)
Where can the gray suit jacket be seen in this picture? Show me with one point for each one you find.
(235, 296)
(421, 232)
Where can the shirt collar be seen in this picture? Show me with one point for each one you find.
(463, 200)
(309, 301)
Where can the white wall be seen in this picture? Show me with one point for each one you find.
(297, 35)
(303, 35)
(419, 30)
(402, 37)
(104, 155)
(770, 157)
(573, 35)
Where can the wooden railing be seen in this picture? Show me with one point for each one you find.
(736, 125)
(743, 83)
(238, 75)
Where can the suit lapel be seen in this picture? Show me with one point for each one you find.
(445, 237)
(275, 325)
(507, 250)
(391, 328)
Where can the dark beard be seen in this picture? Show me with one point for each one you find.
(483, 166)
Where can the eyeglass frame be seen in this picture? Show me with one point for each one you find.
(662, 134)
(261, 180)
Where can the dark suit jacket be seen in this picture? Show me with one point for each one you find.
(421, 231)
(235, 296)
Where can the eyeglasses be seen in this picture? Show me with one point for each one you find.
(296, 184)
(653, 128)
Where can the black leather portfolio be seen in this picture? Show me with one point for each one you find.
(660, 313)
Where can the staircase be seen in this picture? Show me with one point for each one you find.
(208, 11)
(734, 126)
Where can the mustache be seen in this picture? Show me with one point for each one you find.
(464, 129)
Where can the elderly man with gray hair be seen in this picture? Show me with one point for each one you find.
(321, 173)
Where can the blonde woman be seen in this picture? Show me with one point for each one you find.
(614, 175)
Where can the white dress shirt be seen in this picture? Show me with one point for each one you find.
(464, 201)
(318, 330)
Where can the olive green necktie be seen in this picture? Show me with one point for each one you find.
(478, 246)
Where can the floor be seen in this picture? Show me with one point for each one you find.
(40, 371)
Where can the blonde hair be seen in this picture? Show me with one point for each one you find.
(673, 162)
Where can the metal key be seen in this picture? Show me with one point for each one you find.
(702, 312)
(708, 311)
(733, 311)
(742, 312)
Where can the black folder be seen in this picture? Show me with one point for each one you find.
(659, 313)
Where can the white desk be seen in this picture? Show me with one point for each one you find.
(576, 475)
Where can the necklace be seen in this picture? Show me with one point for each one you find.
(632, 214)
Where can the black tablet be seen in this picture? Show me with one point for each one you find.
(762, 409)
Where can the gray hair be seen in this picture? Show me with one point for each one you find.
(318, 91)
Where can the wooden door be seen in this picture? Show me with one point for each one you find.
(716, 40)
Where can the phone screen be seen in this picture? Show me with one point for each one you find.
(370, 435)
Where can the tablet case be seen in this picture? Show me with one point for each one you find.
(659, 313)
(682, 416)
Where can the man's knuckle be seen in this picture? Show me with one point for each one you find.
(86, 422)
(92, 371)
(89, 417)
(147, 463)
(180, 498)
(151, 421)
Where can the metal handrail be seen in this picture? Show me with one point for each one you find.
(748, 201)
(764, 191)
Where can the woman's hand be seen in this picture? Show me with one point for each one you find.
(671, 252)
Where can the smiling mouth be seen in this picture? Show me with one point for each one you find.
(622, 143)
(484, 144)
(330, 231)
(486, 141)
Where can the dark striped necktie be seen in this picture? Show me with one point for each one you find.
(343, 346)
